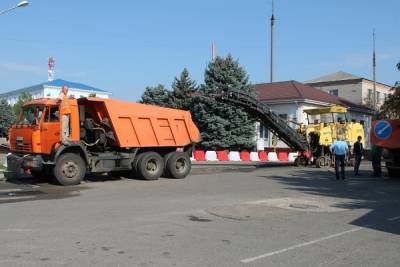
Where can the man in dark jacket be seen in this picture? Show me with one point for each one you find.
(357, 151)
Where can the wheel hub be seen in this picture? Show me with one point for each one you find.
(180, 165)
(151, 166)
(70, 169)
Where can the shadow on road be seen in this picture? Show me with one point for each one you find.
(379, 195)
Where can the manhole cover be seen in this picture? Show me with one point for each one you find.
(303, 206)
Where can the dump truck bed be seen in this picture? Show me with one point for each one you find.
(141, 125)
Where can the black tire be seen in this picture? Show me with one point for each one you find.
(166, 158)
(70, 169)
(150, 166)
(134, 173)
(320, 162)
(178, 165)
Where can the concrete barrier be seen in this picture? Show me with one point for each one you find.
(245, 155)
(272, 156)
(199, 155)
(262, 155)
(222, 155)
(283, 156)
(234, 156)
(292, 156)
(211, 156)
(254, 156)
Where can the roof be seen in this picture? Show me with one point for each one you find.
(339, 77)
(336, 76)
(54, 83)
(293, 90)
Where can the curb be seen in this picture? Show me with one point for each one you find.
(206, 167)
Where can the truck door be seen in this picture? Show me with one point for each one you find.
(50, 130)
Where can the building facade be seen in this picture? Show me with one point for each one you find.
(356, 89)
(51, 89)
(290, 99)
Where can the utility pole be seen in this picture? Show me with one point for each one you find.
(272, 44)
(213, 51)
(374, 71)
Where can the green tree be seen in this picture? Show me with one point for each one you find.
(157, 95)
(391, 107)
(7, 117)
(183, 90)
(22, 98)
(222, 125)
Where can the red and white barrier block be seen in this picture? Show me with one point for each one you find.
(245, 156)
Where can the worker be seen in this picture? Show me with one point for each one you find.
(340, 149)
(357, 151)
(376, 157)
(63, 92)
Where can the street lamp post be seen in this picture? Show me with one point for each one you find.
(20, 4)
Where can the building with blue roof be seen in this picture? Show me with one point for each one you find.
(51, 89)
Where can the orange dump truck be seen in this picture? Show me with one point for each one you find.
(386, 134)
(68, 138)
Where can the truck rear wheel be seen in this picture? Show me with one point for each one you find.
(178, 165)
(70, 169)
(150, 166)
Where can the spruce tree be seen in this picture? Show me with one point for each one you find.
(22, 99)
(183, 89)
(158, 95)
(221, 125)
(7, 117)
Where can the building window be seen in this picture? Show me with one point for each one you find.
(378, 97)
(369, 95)
(263, 132)
(334, 92)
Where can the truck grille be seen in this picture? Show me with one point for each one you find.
(19, 146)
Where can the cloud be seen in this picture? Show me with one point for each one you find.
(17, 67)
(39, 71)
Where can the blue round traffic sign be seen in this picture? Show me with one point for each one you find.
(383, 130)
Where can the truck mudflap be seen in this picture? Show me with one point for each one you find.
(17, 165)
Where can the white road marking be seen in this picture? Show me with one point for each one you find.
(272, 253)
(394, 218)
(16, 230)
(269, 254)
(10, 190)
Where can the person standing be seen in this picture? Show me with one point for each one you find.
(340, 149)
(357, 151)
(376, 157)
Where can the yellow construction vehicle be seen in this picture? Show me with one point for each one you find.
(324, 126)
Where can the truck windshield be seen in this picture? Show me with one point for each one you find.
(31, 115)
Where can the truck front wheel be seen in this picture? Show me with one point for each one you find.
(150, 166)
(70, 169)
(178, 165)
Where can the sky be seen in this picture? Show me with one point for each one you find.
(123, 46)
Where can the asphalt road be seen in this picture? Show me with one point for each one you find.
(277, 216)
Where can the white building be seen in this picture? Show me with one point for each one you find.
(356, 89)
(51, 89)
(289, 99)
